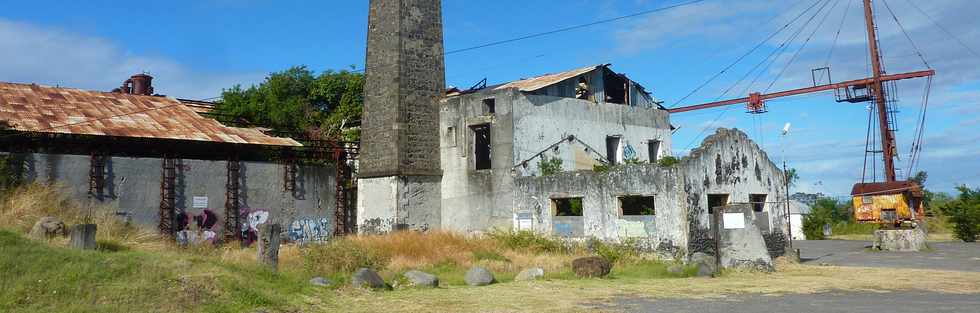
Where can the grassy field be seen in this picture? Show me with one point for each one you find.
(38, 276)
(137, 271)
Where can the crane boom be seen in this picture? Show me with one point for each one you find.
(761, 97)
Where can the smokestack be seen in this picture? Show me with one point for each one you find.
(139, 84)
(142, 84)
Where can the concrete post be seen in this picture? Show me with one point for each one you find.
(268, 244)
(83, 237)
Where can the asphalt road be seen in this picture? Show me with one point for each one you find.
(831, 302)
(949, 256)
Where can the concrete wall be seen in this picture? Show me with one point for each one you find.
(727, 162)
(602, 217)
(133, 190)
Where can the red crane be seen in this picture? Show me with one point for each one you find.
(859, 90)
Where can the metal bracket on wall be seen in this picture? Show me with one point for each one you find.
(289, 173)
(167, 196)
(96, 175)
(232, 204)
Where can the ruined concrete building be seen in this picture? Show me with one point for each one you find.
(608, 133)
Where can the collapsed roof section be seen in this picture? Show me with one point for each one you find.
(596, 83)
(42, 109)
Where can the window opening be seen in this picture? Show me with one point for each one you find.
(637, 205)
(758, 201)
(481, 148)
(716, 200)
(567, 206)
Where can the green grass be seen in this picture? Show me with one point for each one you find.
(847, 228)
(37, 277)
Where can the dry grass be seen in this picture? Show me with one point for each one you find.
(25, 205)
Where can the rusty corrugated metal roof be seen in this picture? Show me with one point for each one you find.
(879, 188)
(73, 111)
(198, 106)
(535, 83)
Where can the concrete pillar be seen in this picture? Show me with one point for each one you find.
(268, 244)
(83, 237)
(902, 240)
(399, 184)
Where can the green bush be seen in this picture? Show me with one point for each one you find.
(668, 161)
(964, 213)
(614, 252)
(550, 166)
(487, 255)
(341, 257)
(528, 240)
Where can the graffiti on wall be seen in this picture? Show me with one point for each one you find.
(250, 226)
(310, 230)
(196, 228)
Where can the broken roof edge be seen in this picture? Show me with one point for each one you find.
(719, 134)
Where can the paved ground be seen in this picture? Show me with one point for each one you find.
(892, 302)
(950, 256)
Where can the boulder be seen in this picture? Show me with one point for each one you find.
(479, 276)
(321, 282)
(48, 227)
(901, 240)
(415, 278)
(707, 264)
(366, 278)
(530, 274)
(592, 266)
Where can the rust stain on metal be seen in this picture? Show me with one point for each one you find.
(34, 108)
(535, 83)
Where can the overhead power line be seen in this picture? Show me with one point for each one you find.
(917, 51)
(967, 47)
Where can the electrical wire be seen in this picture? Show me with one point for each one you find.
(833, 46)
(805, 42)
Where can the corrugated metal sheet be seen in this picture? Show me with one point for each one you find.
(535, 83)
(72, 111)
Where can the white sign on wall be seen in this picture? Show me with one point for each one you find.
(524, 221)
(200, 203)
(733, 220)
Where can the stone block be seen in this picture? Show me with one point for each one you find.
(901, 240)
(530, 274)
(367, 278)
(268, 244)
(83, 237)
(740, 243)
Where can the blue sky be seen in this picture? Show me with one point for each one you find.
(196, 48)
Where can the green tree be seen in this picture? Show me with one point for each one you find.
(792, 177)
(296, 100)
(964, 213)
(550, 166)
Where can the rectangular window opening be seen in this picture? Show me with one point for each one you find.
(489, 106)
(716, 200)
(653, 147)
(612, 149)
(451, 136)
(637, 205)
(481, 146)
(567, 206)
(758, 201)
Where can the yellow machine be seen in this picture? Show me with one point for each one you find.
(888, 203)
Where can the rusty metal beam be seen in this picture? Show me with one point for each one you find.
(793, 92)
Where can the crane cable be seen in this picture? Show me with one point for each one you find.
(805, 42)
(968, 48)
(743, 56)
(781, 47)
(833, 46)
(917, 51)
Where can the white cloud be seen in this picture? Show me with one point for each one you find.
(34, 54)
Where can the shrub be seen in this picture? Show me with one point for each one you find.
(488, 255)
(341, 256)
(550, 166)
(613, 252)
(529, 240)
(668, 161)
(964, 213)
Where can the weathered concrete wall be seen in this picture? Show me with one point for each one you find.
(727, 162)
(741, 244)
(602, 217)
(133, 190)
(540, 121)
(398, 203)
(476, 200)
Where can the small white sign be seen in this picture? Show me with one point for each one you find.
(524, 225)
(200, 203)
(734, 220)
